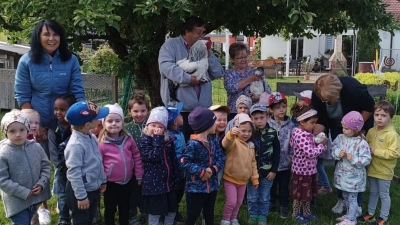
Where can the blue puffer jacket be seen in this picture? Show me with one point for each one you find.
(161, 167)
(40, 84)
(195, 160)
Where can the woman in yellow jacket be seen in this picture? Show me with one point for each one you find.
(240, 166)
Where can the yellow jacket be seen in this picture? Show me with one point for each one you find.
(386, 143)
(240, 163)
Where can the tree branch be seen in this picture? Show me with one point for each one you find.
(9, 27)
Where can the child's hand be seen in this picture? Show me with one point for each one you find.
(158, 131)
(271, 176)
(209, 171)
(37, 189)
(255, 186)
(139, 182)
(342, 153)
(235, 130)
(29, 195)
(324, 141)
(103, 188)
(349, 156)
(84, 204)
(372, 151)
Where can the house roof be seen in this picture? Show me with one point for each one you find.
(393, 7)
(19, 49)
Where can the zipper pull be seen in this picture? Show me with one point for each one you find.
(51, 67)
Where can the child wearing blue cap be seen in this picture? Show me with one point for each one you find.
(86, 177)
(175, 121)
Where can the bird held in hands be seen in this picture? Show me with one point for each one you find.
(257, 87)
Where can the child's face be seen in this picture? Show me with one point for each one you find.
(279, 110)
(347, 131)
(113, 124)
(259, 119)
(17, 133)
(245, 131)
(179, 121)
(308, 125)
(221, 122)
(139, 112)
(34, 123)
(156, 128)
(381, 118)
(242, 108)
(60, 109)
(97, 129)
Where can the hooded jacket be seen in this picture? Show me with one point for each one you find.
(197, 157)
(386, 143)
(21, 167)
(284, 130)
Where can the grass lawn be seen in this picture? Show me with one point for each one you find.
(324, 203)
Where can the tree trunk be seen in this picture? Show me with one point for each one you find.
(148, 80)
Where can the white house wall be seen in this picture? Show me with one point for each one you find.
(385, 47)
(274, 46)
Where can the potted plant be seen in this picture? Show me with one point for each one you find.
(307, 68)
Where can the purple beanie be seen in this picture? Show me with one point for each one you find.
(353, 120)
(201, 119)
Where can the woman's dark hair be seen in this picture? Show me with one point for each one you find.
(235, 48)
(190, 23)
(69, 98)
(36, 51)
(298, 110)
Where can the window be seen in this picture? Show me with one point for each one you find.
(328, 42)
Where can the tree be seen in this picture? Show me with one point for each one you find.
(136, 29)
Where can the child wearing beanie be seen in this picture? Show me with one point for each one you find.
(161, 169)
(202, 160)
(243, 105)
(353, 154)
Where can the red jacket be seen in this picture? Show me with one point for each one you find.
(120, 161)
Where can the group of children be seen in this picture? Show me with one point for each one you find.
(147, 164)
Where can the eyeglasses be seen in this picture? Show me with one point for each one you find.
(241, 58)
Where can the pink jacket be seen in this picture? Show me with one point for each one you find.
(306, 152)
(120, 161)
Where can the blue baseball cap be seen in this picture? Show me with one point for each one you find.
(258, 107)
(173, 112)
(85, 111)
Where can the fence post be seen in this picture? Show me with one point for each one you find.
(114, 90)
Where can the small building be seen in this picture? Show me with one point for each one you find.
(10, 55)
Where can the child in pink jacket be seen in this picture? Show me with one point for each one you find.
(121, 157)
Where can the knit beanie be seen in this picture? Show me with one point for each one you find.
(116, 109)
(353, 120)
(11, 117)
(201, 119)
(158, 115)
(243, 99)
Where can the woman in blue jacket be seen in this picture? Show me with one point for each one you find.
(47, 71)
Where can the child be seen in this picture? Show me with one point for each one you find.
(161, 169)
(121, 158)
(240, 166)
(284, 126)
(58, 135)
(25, 170)
(139, 108)
(324, 187)
(304, 170)
(86, 177)
(352, 152)
(385, 149)
(175, 121)
(202, 160)
(267, 151)
(243, 105)
(42, 215)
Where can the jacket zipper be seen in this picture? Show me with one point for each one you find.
(110, 171)
(52, 81)
(209, 163)
(101, 160)
(121, 149)
(166, 164)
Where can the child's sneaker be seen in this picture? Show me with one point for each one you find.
(347, 222)
(366, 218)
(235, 222)
(300, 219)
(340, 219)
(379, 221)
(134, 221)
(44, 216)
(225, 222)
(311, 218)
(284, 212)
(339, 207)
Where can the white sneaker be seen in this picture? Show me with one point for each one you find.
(359, 211)
(225, 222)
(44, 216)
(203, 222)
(347, 222)
(340, 219)
(235, 222)
(339, 207)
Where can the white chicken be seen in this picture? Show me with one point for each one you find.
(257, 87)
(196, 63)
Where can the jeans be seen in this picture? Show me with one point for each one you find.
(60, 181)
(322, 177)
(350, 199)
(258, 198)
(200, 201)
(24, 217)
(282, 180)
(379, 188)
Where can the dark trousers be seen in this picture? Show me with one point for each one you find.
(82, 217)
(117, 195)
(186, 128)
(198, 202)
(179, 195)
(135, 202)
(280, 188)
